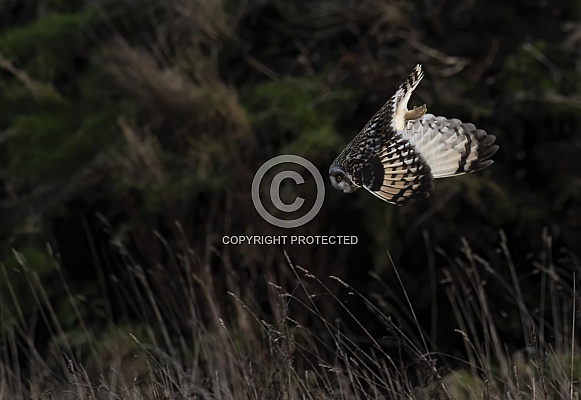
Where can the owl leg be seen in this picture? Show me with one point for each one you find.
(416, 112)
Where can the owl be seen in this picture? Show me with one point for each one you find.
(399, 152)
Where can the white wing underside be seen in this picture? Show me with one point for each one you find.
(449, 146)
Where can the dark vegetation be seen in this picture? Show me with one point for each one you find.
(130, 132)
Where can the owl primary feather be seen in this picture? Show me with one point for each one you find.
(399, 152)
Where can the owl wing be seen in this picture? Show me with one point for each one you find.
(398, 174)
(381, 160)
(429, 147)
(449, 146)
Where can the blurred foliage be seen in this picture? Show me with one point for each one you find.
(140, 124)
(304, 107)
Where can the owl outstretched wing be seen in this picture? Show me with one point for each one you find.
(360, 160)
(429, 147)
(449, 146)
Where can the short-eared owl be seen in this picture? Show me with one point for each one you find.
(399, 152)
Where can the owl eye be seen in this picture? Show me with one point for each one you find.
(338, 178)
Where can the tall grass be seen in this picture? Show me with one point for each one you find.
(197, 334)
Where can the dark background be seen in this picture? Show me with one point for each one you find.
(128, 128)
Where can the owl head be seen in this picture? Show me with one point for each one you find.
(340, 180)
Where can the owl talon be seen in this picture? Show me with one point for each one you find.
(416, 113)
